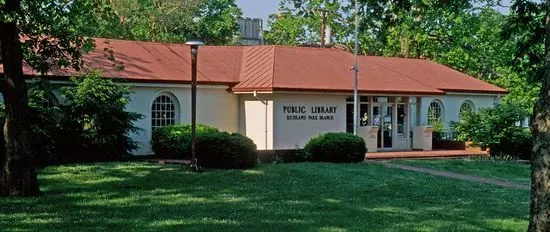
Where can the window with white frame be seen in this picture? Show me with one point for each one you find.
(48, 101)
(164, 111)
(435, 112)
(466, 107)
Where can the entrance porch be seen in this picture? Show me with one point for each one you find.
(390, 123)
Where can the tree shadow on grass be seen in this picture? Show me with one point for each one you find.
(290, 197)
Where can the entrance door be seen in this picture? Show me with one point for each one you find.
(382, 117)
(387, 125)
(363, 116)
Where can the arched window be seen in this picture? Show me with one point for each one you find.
(48, 100)
(467, 106)
(435, 112)
(164, 111)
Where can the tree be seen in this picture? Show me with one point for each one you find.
(529, 25)
(540, 193)
(41, 33)
(285, 29)
(94, 123)
(465, 35)
(213, 21)
(299, 22)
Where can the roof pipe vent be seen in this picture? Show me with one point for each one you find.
(328, 36)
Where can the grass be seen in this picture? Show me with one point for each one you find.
(286, 197)
(505, 170)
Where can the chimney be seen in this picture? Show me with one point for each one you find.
(328, 36)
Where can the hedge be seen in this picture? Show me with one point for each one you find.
(336, 148)
(214, 149)
(221, 150)
(175, 141)
(519, 145)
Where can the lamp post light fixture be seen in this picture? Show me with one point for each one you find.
(194, 45)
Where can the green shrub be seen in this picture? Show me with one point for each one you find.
(496, 128)
(92, 125)
(222, 150)
(175, 141)
(214, 149)
(517, 146)
(44, 124)
(490, 125)
(300, 155)
(96, 125)
(336, 148)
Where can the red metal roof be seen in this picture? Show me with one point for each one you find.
(313, 69)
(146, 61)
(433, 74)
(277, 68)
(257, 70)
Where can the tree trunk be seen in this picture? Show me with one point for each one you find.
(540, 163)
(17, 173)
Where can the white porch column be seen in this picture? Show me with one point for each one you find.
(418, 111)
(371, 110)
(422, 134)
(394, 122)
(407, 128)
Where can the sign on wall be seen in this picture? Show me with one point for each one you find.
(309, 113)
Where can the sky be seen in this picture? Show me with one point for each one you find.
(258, 8)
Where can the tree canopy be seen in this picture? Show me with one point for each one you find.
(53, 34)
(467, 35)
(529, 27)
(42, 34)
(213, 21)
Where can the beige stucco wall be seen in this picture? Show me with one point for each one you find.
(256, 119)
(215, 106)
(269, 127)
(292, 133)
(453, 101)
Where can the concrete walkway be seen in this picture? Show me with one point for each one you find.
(452, 175)
(169, 161)
(424, 154)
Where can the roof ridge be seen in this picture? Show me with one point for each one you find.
(262, 63)
(167, 43)
(399, 58)
(273, 68)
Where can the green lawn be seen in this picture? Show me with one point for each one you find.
(285, 197)
(505, 170)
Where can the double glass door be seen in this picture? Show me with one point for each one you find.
(382, 117)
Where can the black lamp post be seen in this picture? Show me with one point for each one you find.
(194, 53)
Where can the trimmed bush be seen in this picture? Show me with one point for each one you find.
(221, 150)
(336, 148)
(518, 146)
(215, 149)
(175, 141)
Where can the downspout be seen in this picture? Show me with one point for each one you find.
(265, 102)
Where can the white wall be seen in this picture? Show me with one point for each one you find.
(453, 101)
(289, 133)
(256, 119)
(215, 106)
